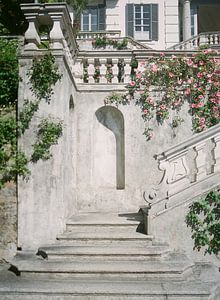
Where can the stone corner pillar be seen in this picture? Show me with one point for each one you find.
(31, 36)
(186, 20)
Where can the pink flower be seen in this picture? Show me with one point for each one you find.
(199, 75)
(162, 54)
(200, 104)
(163, 106)
(218, 94)
(188, 91)
(215, 101)
(180, 81)
(176, 103)
(202, 121)
(145, 111)
(173, 56)
(150, 100)
(202, 127)
(205, 51)
(138, 75)
(201, 63)
(193, 105)
(215, 109)
(132, 83)
(195, 85)
(142, 92)
(189, 62)
(200, 97)
(195, 66)
(154, 68)
(189, 81)
(170, 74)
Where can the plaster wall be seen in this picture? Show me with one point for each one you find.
(47, 199)
(96, 156)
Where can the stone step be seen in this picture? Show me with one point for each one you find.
(103, 290)
(97, 218)
(173, 266)
(102, 234)
(103, 252)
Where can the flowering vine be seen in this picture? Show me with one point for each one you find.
(194, 79)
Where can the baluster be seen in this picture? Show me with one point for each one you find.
(216, 150)
(216, 39)
(127, 70)
(103, 70)
(56, 34)
(200, 160)
(78, 70)
(31, 36)
(115, 70)
(203, 40)
(91, 70)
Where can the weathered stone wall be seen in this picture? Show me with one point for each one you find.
(8, 220)
(47, 199)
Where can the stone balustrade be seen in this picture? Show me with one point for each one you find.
(56, 19)
(212, 39)
(189, 169)
(85, 35)
(103, 69)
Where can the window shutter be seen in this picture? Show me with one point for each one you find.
(101, 18)
(130, 20)
(154, 21)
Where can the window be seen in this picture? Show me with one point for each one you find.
(142, 21)
(93, 19)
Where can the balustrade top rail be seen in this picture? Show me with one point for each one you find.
(94, 34)
(205, 38)
(189, 143)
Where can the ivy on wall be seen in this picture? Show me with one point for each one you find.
(180, 79)
(204, 220)
(103, 41)
(43, 75)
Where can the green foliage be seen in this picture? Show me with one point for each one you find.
(48, 135)
(43, 76)
(204, 220)
(102, 42)
(12, 18)
(180, 79)
(9, 78)
(26, 114)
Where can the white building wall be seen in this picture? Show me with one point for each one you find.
(168, 20)
(171, 12)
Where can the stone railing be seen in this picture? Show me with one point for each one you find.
(207, 38)
(85, 35)
(110, 67)
(101, 68)
(56, 19)
(190, 169)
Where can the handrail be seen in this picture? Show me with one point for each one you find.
(189, 169)
(209, 38)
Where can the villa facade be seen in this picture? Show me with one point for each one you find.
(156, 23)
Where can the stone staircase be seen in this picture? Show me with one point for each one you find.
(104, 256)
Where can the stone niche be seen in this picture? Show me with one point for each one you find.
(109, 148)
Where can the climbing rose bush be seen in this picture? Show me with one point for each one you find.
(194, 79)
